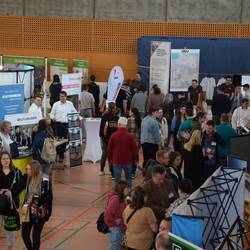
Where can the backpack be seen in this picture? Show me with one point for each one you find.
(101, 225)
(48, 153)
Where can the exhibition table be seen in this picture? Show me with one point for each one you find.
(93, 151)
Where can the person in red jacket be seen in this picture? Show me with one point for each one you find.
(113, 214)
(122, 151)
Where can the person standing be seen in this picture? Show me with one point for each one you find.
(221, 104)
(5, 139)
(58, 114)
(54, 90)
(150, 135)
(210, 147)
(39, 201)
(241, 115)
(87, 103)
(35, 107)
(113, 214)
(194, 92)
(140, 221)
(37, 145)
(10, 178)
(159, 192)
(109, 124)
(94, 89)
(122, 151)
(139, 101)
(137, 83)
(155, 99)
(225, 131)
(194, 160)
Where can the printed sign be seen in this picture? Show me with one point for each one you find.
(11, 99)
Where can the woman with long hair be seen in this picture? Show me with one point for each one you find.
(10, 186)
(194, 159)
(109, 124)
(38, 199)
(113, 214)
(175, 165)
(140, 221)
(179, 117)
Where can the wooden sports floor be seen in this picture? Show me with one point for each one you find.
(80, 195)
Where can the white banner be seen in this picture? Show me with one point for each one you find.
(184, 68)
(115, 82)
(22, 119)
(160, 65)
(71, 83)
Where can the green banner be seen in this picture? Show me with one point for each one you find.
(81, 66)
(58, 67)
(34, 61)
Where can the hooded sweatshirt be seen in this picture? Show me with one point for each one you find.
(114, 211)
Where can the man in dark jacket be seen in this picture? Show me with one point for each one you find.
(221, 104)
(210, 146)
(94, 89)
(160, 192)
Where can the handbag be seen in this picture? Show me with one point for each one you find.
(101, 225)
(12, 219)
(14, 150)
(25, 213)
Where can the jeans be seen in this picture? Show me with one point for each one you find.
(115, 238)
(10, 234)
(127, 170)
(61, 132)
(149, 151)
(36, 234)
(104, 145)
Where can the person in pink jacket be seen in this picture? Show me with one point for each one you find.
(113, 214)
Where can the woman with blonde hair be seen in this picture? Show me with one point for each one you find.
(38, 201)
(194, 159)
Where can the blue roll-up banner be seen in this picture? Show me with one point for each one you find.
(11, 99)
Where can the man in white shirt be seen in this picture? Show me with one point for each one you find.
(35, 107)
(58, 114)
(241, 115)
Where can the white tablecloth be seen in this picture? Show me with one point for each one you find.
(93, 151)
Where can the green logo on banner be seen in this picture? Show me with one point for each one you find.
(35, 61)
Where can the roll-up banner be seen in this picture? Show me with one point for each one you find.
(81, 66)
(160, 65)
(58, 67)
(116, 78)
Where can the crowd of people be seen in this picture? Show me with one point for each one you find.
(183, 141)
(183, 138)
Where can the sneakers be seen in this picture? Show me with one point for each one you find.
(101, 173)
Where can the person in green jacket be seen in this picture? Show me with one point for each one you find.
(226, 132)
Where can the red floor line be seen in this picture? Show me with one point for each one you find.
(74, 218)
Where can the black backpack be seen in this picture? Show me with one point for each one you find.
(101, 225)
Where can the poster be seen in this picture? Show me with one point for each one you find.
(39, 63)
(115, 82)
(58, 67)
(160, 65)
(11, 99)
(75, 148)
(184, 68)
(81, 66)
(71, 83)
